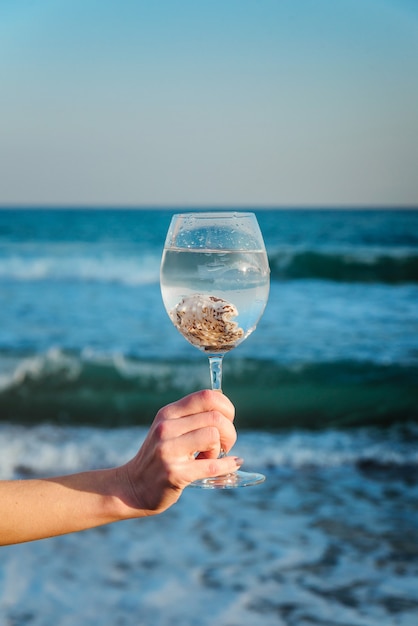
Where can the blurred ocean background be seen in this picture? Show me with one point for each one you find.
(326, 391)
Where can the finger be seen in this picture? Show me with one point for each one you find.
(199, 402)
(206, 440)
(226, 435)
(207, 468)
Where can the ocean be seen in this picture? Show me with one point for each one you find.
(326, 394)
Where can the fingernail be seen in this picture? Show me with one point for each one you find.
(239, 461)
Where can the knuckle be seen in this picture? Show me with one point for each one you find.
(171, 474)
(207, 395)
(162, 429)
(213, 468)
(164, 413)
(216, 418)
(213, 435)
(162, 454)
(159, 451)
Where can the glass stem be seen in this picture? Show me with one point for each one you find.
(215, 366)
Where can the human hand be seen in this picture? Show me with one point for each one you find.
(148, 484)
(166, 462)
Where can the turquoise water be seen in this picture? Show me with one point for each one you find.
(81, 310)
(326, 392)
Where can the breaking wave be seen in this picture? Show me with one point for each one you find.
(69, 388)
(128, 270)
(286, 264)
(351, 266)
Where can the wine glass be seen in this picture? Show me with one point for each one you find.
(215, 281)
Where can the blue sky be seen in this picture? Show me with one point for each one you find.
(221, 102)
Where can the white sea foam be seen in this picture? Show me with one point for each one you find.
(338, 548)
(330, 448)
(13, 371)
(128, 270)
(47, 449)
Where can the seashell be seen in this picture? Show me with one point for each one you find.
(207, 322)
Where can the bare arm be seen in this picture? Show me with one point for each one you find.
(148, 484)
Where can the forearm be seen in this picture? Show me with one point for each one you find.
(36, 509)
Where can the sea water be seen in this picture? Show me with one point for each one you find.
(326, 396)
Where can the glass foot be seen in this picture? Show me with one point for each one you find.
(230, 481)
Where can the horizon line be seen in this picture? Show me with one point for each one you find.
(205, 206)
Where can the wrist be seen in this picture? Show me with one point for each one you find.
(123, 500)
